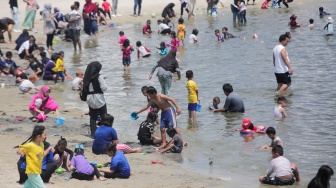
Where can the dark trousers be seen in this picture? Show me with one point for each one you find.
(94, 116)
(81, 176)
(46, 174)
(109, 13)
(137, 3)
(183, 5)
(165, 31)
(59, 74)
(283, 2)
(114, 175)
(50, 38)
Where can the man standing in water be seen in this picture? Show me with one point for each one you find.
(233, 102)
(282, 68)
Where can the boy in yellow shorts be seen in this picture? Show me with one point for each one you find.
(181, 30)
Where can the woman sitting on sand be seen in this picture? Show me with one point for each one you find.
(106, 134)
(41, 104)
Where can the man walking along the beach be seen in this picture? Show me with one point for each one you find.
(282, 68)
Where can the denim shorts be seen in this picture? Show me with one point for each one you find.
(126, 61)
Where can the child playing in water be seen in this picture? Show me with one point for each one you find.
(143, 50)
(285, 173)
(293, 22)
(126, 59)
(59, 68)
(181, 30)
(311, 24)
(175, 145)
(322, 12)
(242, 11)
(77, 83)
(192, 95)
(265, 5)
(271, 133)
(219, 36)
(147, 28)
(162, 49)
(27, 85)
(329, 27)
(175, 43)
(226, 34)
(215, 103)
(168, 114)
(163, 28)
(46, 104)
(146, 131)
(122, 38)
(193, 36)
(61, 154)
(248, 127)
(279, 111)
(82, 169)
(34, 153)
(119, 167)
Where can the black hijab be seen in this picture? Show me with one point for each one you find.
(168, 10)
(169, 63)
(91, 72)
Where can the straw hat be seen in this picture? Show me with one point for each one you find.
(330, 19)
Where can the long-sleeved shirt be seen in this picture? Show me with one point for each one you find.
(97, 100)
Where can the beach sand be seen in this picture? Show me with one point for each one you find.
(14, 132)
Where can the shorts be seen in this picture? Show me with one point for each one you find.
(278, 181)
(176, 149)
(283, 78)
(23, 89)
(126, 60)
(90, 26)
(168, 119)
(181, 37)
(75, 34)
(192, 106)
(124, 148)
(148, 55)
(146, 142)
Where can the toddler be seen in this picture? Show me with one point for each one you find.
(193, 36)
(279, 111)
(226, 34)
(27, 85)
(72, 15)
(77, 83)
(311, 24)
(215, 103)
(181, 29)
(175, 43)
(175, 145)
(61, 154)
(293, 22)
(162, 49)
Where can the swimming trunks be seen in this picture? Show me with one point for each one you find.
(168, 119)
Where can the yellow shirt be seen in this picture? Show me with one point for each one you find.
(180, 30)
(59, 65)
(34, 157)
(192, 88)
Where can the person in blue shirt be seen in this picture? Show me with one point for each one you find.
(119, 167)
(48, 166)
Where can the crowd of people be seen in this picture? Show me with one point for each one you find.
(39, 160)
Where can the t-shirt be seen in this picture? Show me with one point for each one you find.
(175, 43)
(4, 22)
(181, 29)
(27, 84)
(122, 39)
(234, 103)
(276, 141)
(280, 166)
(143, 50)
(48, 70)
(59, 65)
(127, 51)
(192, 88)
(227, 34)
(106, 6)
(34, 157)
(24, 46)
(146, 28)
(102, 137)
(119, 164)
(146, 130)
(76, 83)
(82, 165)
(178, 141)
(192, 38)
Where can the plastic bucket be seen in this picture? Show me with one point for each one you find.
(112, 25)
(134, 116)
(198, 106)
(60, 120)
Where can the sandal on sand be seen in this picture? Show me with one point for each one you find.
(34, 119)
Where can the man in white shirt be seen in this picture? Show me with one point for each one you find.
(282, 68)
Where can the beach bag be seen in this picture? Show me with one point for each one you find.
(83, 94)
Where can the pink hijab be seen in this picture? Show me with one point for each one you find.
(42, 93)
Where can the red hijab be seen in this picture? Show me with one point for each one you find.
(89, 7)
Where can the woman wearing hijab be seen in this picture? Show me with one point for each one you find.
(322, 178)
(23, 37)
(94, 85)
(166, 67)
(48, 24)
(168, 11)
(42, 103)
(29, 20)
(90, 15)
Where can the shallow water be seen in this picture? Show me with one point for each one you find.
(246, 64)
